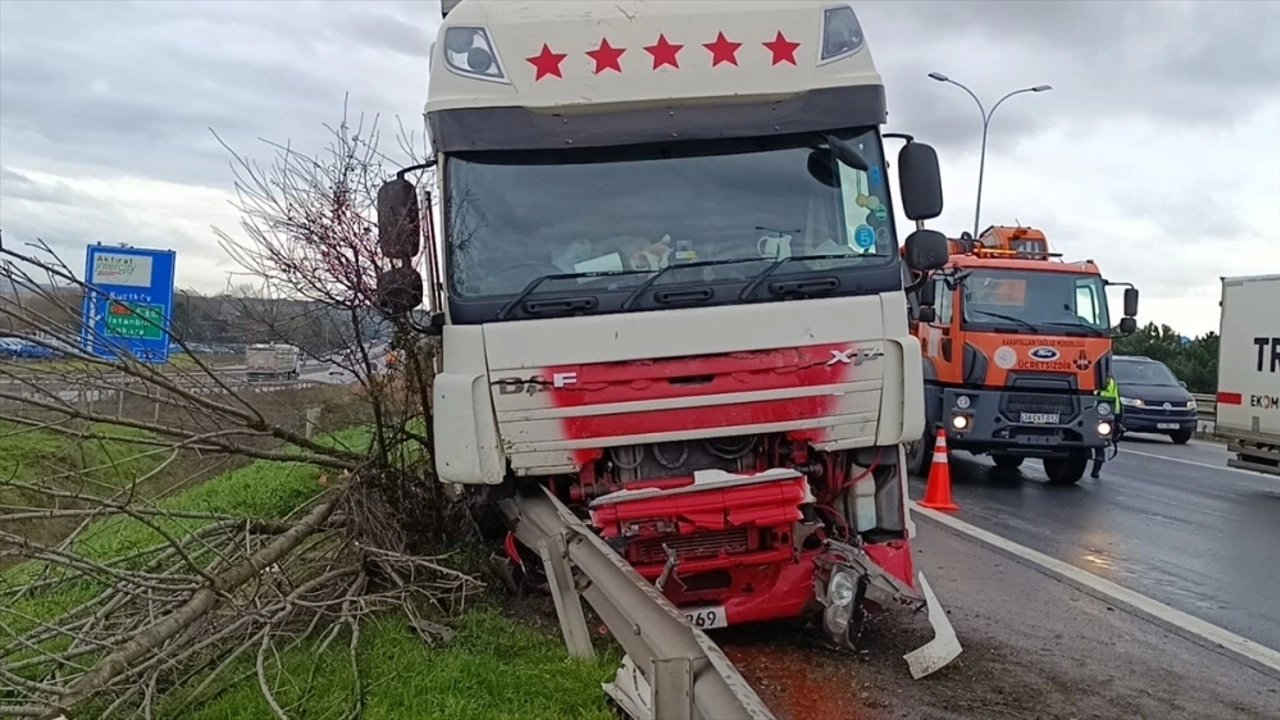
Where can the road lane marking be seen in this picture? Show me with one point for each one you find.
(1251, 651)
(1197, 463)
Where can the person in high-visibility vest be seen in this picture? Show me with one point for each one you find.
(1110, 394)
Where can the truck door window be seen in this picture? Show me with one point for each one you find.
(945, 304)
(1087, 302)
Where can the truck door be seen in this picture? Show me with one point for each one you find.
(941, 338)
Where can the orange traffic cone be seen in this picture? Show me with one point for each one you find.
(937, 494)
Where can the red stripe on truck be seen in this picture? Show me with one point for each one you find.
(1230, 398)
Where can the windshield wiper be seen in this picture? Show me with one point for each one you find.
(1008, 318)
(1077, 324)
(627, 304)
(764, 274)
(537, 282)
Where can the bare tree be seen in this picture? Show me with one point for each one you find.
(171, 620)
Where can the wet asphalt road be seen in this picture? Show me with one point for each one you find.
(1172, 522)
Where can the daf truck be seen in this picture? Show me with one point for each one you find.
(669, 288)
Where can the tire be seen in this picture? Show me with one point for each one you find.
(1182, 437)
(920, 455)
(1066, 470)
(1007, 462)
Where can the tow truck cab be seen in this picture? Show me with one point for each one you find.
(1016, 345)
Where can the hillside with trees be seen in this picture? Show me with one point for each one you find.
(1194, 361)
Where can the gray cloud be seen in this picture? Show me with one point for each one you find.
(129, 90)
(1194, 64)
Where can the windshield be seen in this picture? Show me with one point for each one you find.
(1050, 302)
(1142, 372)
(729, 209)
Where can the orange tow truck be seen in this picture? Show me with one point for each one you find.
(1016, 345)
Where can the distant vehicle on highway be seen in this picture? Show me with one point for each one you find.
(272, 361)
(17, 349)
(1248, 408)
(1153, 399)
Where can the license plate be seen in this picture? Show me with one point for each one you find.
(1167, 426)
(706, 617)
(1041, 418)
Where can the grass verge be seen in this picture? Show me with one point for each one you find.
(496, 667)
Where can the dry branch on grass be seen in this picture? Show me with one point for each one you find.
(198, 599)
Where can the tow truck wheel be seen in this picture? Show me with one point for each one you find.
(1066, 470)
(1007, 462)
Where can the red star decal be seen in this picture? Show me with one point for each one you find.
(723, 51)
(783, 49)
(606, 57)
(546, 63)
(664, 52)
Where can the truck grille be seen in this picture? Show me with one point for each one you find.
(1014, 404)
(703, 545)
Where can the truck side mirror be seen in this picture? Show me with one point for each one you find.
(920, 181)
(928, 296)
(926, 250)
(1128, 326)
(1130, 302)
(399, 219)
(926, 314)
(400, 290)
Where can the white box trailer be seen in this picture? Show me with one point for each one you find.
(1248, 400)
(271, 361)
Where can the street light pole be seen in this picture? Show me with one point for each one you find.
(986, 123)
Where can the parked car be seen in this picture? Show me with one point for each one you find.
(1153, 399)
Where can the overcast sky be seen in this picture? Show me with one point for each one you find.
(1157, 153)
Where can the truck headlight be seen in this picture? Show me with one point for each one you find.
(1132, 402)
(841, 590)
(1104, 409)
(469, 52)
(841, 34)
(960, 422)
(963, 402)
(1104, 428)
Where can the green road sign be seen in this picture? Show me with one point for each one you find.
(135, 320)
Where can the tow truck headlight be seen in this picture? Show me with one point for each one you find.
(841, 34)
(1132, 402)
(1104, 428)
(1104, 409)
(960, 422)
(468, 51)
(963, 402)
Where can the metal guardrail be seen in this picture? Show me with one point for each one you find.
(672, 670)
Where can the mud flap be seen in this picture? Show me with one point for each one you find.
(943, 648)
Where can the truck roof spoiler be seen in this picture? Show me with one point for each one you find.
(446, 6)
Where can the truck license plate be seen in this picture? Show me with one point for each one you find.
(1040, 418)
(1166, 426)
(706, 617)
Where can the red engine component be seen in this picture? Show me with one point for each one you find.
(732, 537)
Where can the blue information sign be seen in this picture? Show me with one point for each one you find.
(130, 303)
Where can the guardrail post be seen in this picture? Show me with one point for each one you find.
(672, 688)
(573, 623)
(311, 422)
